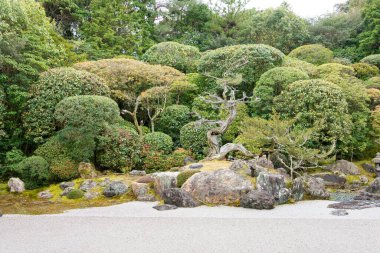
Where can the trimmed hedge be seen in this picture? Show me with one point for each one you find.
(34, 171)
(194, 138)
(304, 66)
(372, 59)
(159, 142)
(316, 54)
(365, 71)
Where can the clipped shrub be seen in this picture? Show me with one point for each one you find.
(304, 66)
(374, 96)
(365, 71)
(373, 82)
(34, 171)
(316, 103)
(327, 69)
(372, 59)
(158, 141)
(157, 161)
(118, 149)
(343, 61)
(11, 160)
(172, 119)
(173, 54)
(62, 166)
(315, 53)
(194, 137)
(247, 61)
(127, 78)
(75, 194)
(53, 86)
(184, 175)
(270, 85)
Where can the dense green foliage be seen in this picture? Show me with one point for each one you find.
(53, 86)
(33, 171)
(315, 54)
(372, 59)
(365, 71)
(75, 194)
(158, 141)
(194, 137)
(304, 66)
(173, 54)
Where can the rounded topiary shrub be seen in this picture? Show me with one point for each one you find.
(304, 66)
(365, 71)
(62, 166)
(172, 119)
(53, 86)
(194, 137)
(372, 59)
(327, 69)
(184, 175)
(173, 54)
(316, 54)
(373, 82)
(34, 171)
(118, 149)
(158, 141)
(343, 61)
(75, 194)
(247, 61)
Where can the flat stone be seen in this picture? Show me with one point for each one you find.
(45, 195)
(344, 167)
(165, 207)
(257, 199)
(196, 166)
(115, 188)
(146, 179)
(355, 204)
(137, 173)
(332, 179)
(87, 185)
(91, 195)
(339, 212)
(179, 197)
(64, 185)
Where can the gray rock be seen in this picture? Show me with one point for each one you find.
(179, 197)
(165, 207)
(146, 179)
(257, 199)
(374, 187)
(311, 186)
(67, 190)
(137, 173)
(45, 195)
(344, 167)
(87, 185)
(164, 180)
(188, 160)
(339, 212)
(196, 166)
(105, 182)
(335, 180)
(283, 196)
(238, 165)
(364, 179)
(220, 187)
(115, 188)
(355, 204)
(141, 192)
(1, 215)
(64, 185)
(256, 169)
(369, 167)
(15, 184)
(364, 195)
(91, 195)
(264, 162)
(87, 170)
(271, 183)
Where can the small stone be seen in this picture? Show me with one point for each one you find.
(87, 185)
(105, 182)
(188, 160)
(264, 162)
(364, 179)
(146, 179)
(374, 187)
(64, 185)
(196, 166)
(91, 195)
(165, 207)
(45, 195)
(339, 212)
(336, 180)
(344, 167)
(15, 184)
(87, 170)
(257, 199)
(67, 190)
(115, 188)
(369, 167)
(283, 195)
(179, 197)
(137, 173)
(165, 180)
(141, 192)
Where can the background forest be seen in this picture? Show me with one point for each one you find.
(122, 84)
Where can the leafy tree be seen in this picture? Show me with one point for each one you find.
(370, 36)
(34, 171)
(183, 91)
(279, 27)
(173, 54)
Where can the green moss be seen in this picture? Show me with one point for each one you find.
(183, 176)
(75, 194)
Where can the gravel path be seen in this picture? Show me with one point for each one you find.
(136, 227)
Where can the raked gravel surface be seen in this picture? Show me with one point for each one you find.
(137, 227)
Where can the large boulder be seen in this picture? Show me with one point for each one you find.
(141, 192)
(115, 188)
(220, 187)
(87, 170)
(374, 187)
(15, 184)
(257, 199)
(179, 197)
(344, 167)
(271, 183)
(335, 180)
(310, 186)
(164, 180)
